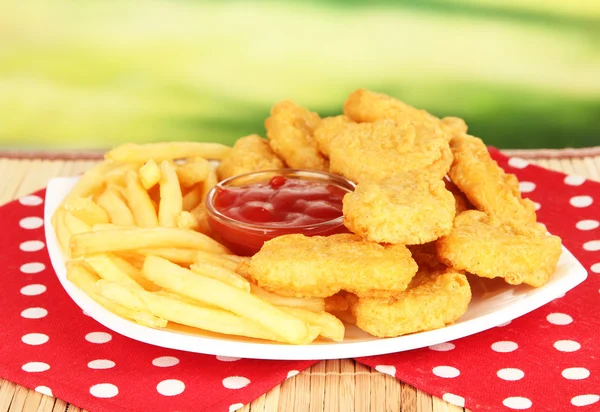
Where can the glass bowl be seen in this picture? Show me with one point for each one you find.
(246, 239)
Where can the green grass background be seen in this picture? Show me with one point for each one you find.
(92, 74)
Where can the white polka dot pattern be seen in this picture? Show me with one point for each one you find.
(575, 373)
(170, 387)
(592, 245)
(443, 347)
(559, 319)
(44, 390)
(567, 345)
(31, 223)
(35, 367)
(35, 339)
(585, 400)
(31, 200)
(104, 390)
(33, 267)
(574, 180)
(526, 187)
(446, 371)
(34, 313)
(165, 361)
(387, 369)
(581, 201)
(510, 374)
(235, 382)
(504, 346)
(517, 402)
(454, 399)
(587, 224)
(101, 364)
(33, 290)
(98, 337)
(31, 246)
(235, 407)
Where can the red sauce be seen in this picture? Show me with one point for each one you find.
(281, 205)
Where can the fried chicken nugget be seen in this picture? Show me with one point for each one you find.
(408, 209)
(434, 299)
(321, 266)
(384, 148)
(485, 184)
(249, 154)
(327, 129)
(366, 106)
(290, 132)
(487, 247)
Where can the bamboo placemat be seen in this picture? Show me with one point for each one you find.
(335, 385)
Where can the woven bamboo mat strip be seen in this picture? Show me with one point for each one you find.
(336, 385)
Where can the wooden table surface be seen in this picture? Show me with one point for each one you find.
(335, 385)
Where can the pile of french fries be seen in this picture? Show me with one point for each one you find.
(135, 232)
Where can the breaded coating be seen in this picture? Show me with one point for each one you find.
(290, 132)
(249, 154)
(409, 209)
(321, 266)
(460, 200)
(366, 106)
(434, 299)
(454, 126)
(489, 248)
(329, 128)
(485, 184)
(366, 151)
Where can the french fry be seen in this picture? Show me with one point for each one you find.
(184, 282)
(149, 174)
(91, 181)
(134, 272)
(116, 207)
(140, 238)
(171, 200)
(186, 220)
(106, 268)
(193, 197)
(75, 225)
(167, 151)
(210, 181)
(193, 171)
(111, 226)
(85, 280)
(116, 176)
(221, 260)
(178, 255)
(139, 201)
(183, 312)
(312, 304)
(87, 210)
(221, 274)
(62, 233)
(331, 327)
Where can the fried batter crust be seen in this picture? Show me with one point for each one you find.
(249, 154)
(489, 248)
(434, 299)
(290, 131)
(319, 266)
(411, 208)
(486, 185)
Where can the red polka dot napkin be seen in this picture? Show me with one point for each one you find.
(547, 360)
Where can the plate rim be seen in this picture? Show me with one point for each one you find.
(275, 351)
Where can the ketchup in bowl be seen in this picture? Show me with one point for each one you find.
(249, 209)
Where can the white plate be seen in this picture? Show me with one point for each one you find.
(492, 305)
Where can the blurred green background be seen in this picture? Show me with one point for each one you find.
(92, 74)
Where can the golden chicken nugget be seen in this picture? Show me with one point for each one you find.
(487, 247)
(460, 200)
(249, 154)
(374, 151)
(434, 299)
(411, 208)
(328, 129)
(321, 266)
(485, 184)
(366, 106)
(290, 132)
